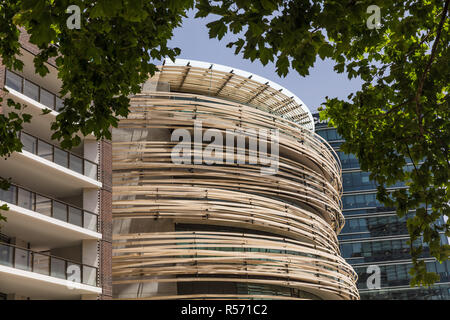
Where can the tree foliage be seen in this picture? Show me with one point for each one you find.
(100, 64)
(400, 115)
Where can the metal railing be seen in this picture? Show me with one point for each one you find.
(33, 91)
(43, 263)
(59, 156)
(50, 207)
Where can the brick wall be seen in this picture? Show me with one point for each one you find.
(2, 82)
(106, 219)
(24, 40)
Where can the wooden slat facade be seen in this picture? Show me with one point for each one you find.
(253, 230)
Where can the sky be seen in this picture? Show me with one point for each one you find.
(193, 40)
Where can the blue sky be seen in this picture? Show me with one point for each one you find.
(193, 40)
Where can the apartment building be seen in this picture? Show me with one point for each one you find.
(375, 236)
(56, 243)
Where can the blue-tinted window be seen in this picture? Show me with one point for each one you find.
(353, 181)
(348, 160)
(329, 134)
(376, 226)
(380, 250)
(397, 275)
(360, 201)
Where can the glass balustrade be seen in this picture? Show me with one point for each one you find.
(50, 207)
(59, 156)
(43, 263)
(33, 91)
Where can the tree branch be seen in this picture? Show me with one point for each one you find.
(428, 66)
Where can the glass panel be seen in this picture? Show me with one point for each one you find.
(59, 104)
(73, 272)
(353, 223)
(75, 216)
(323, 134)
(431, 267)
(6, 255)
(45, 150)
(76, 164)
(8, 195)
(58, 268)
(90, 275)
(43, 205)
(90, 169)
(357, 181)
(440, 267)
(346, 250)
(31, 90)
(401, 273)
(13, 81)
(356, 248)
(25, 199)
(59, 211)
(61, 157)
(41, 263)
(29, 142)
(390, 273)
(22, 259)
(47, 99)
(90, 221)
(332, 134)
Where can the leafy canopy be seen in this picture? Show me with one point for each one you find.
(400, 116)
(100, 64)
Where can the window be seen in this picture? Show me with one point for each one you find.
(13, 81)
(47, 99)
(8, 195)
(61, 157)
(31, 90)
(59, 211)
(29, 143)
(76, 164)
(25, 199)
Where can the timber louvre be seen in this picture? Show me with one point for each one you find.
(290, 220)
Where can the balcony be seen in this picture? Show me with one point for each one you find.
(50, 207)
(59, 156)
(42, 263)
(33, 91)
(65, 173)
(39, 275)
(45, 221)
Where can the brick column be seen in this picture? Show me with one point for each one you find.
(106, 219)
(2, 82)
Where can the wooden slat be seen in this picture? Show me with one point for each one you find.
(299, 208)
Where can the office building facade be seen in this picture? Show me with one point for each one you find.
(374, 235)
(225, 219)
(56, 242)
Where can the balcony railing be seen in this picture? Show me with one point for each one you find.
(43, 263)
(59, 156)
(33, 91)
(50, 207)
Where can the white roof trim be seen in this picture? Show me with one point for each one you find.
(242, 73)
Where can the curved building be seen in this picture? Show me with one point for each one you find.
(221, 189)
